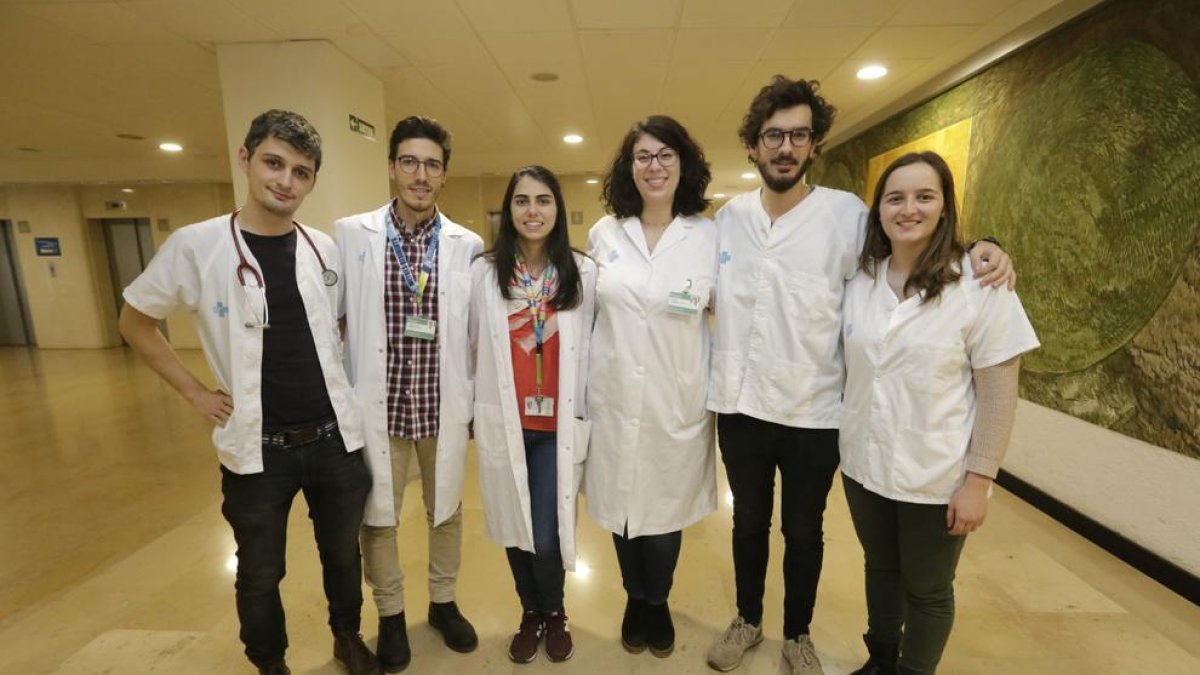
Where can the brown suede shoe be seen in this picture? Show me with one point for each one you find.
(558, 636)
(524, 645)
(354, 655)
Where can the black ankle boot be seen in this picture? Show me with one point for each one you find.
(660, 630)
(882, 660)
(392, 651)
(633, 626)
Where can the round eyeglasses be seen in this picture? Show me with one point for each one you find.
(666, 157)
(409, 164)
(773, 138)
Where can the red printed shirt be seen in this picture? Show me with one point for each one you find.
(521, 336)
(412, 363)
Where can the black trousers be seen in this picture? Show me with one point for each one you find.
(335, 484)
(806, 459)
(648, 564)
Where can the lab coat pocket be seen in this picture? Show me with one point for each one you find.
(933, 469)
(582, 436)
(490, 440)
(937, 377)
(809, 299)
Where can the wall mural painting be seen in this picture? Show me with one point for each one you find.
(1082, 154)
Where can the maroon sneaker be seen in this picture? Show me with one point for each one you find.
(524, 645)
(558, 636)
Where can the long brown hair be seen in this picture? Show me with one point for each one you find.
(941, 261)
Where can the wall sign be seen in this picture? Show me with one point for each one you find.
(361, 127)
(47, 246)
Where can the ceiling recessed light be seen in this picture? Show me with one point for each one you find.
(872, 72)
(718, 195)
(544, 77)
(131, 137)
(127, 190)
(592, 181)
(573, 139)
(749, 175)
(170, 147)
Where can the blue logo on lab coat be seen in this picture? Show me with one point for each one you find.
(725, 256)
(613, 255)
(362, 258)
(221, 310)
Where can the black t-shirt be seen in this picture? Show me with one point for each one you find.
(293, 385)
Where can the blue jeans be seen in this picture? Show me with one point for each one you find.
(335, 485)
(539, 576)
(806, 459)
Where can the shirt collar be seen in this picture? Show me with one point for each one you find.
(421, 229)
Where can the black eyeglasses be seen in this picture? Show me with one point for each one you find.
(773, 138)
(666, 157)
(409, 164)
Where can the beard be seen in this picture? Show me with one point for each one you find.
(782, 183)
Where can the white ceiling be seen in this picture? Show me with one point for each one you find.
(77, 72)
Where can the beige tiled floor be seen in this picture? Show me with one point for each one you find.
(114, 559)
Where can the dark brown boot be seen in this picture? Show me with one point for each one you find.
(354, 655)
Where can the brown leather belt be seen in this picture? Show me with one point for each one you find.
(300, 436)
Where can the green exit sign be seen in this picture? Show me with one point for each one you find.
(361, 127)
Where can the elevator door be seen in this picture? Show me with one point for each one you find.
(14, 315)
(130, 246)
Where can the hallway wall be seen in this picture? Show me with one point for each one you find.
(70, 297)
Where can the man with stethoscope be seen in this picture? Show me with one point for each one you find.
(405, 299)
(263, 290)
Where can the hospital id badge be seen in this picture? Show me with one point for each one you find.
(682, 303)
(419, 327)
(539, 406)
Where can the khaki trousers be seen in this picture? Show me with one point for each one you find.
(381, 558)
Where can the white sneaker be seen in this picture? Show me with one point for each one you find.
(802, 657)
(726, 653)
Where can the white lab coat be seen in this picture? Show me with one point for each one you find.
(777, 351)
(503, 476)
(651, 464)
(363, 246)
(910, 389)
(196, 269)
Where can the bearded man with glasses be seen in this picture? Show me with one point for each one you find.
(407, 269)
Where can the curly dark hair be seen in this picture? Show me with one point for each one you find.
(289, 127)
(784, 93)
(420, 127)
(938, 265)
(621, 196)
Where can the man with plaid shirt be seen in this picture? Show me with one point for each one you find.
(405, 307)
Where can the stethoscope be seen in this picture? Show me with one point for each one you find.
(327, 275)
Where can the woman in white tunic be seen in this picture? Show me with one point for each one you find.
(530, 321)
(650, 469)
(931, 390)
